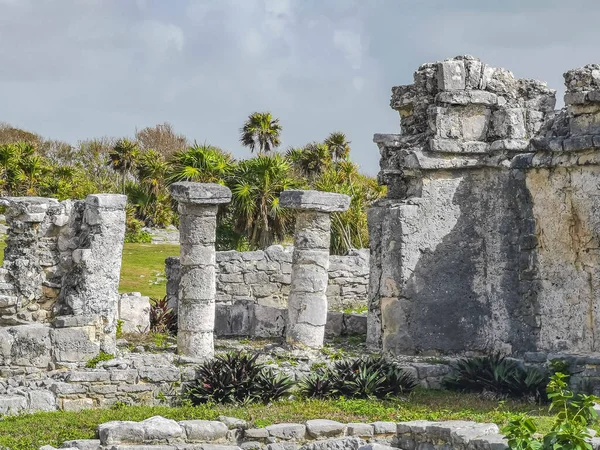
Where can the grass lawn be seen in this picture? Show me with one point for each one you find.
(34, 430)
(143, 268)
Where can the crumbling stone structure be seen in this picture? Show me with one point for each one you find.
(198, 205)
(307, 302)
(488, 238)
(62, 261)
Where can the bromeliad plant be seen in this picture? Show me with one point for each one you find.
(359, 378)
(497, 374)
(574, 413)
(163, 319)
(237, 378)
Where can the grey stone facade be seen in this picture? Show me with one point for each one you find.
(263, 277)
(62, 261)
(487, 239)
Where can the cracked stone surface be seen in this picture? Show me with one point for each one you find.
(488, 236)
(198, 203)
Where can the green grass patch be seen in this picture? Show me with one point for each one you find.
(34, 430)
(143, 268)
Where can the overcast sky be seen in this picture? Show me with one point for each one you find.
(75, 69)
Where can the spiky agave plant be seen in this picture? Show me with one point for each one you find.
(498, 374)
(318, 385)
(237, 377)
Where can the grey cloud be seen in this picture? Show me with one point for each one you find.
(72, 69)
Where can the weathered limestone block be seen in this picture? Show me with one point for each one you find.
(12, 404)
(478, 248)
(360, 429)
(307, 303)
(121, 432)
(159, 429)
(323, 428)
(287, 431)
(197, 286)
(75, 344)
(31, 345)
(451, 75)
(91, 285)
(204, 430)
(134, 311)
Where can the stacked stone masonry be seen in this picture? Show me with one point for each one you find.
(229, 433)
(264, 277)
(488, 239)
(198, 204)
(307, 302)
(59, 291)
(134, 379)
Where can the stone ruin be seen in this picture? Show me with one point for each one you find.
(488, 239)
(59, 291)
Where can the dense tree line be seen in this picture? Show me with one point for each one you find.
(143, 168)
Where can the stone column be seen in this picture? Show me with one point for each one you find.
(307, 302)
(198, 205)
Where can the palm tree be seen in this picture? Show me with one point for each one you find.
(311, 160)
(152, 170)
(262, 131)
(339, 145)
(255, 186)
(202, 163)
(20, 166)
(32, 171)
(122, 158)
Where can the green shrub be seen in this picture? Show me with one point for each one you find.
(374, 376)
(139, 237)
(574, 414)
(92, 363)
(134, 234)
(237, 378)
(499, 375)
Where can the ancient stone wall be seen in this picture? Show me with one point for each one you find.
(263, 277)
(488, 237)
(59, 291)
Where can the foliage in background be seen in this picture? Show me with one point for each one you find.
(498, 374)
(134, 234)
(144, 167)
(371, 377)
(237, 378)
(255, 186)
(574, 414)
